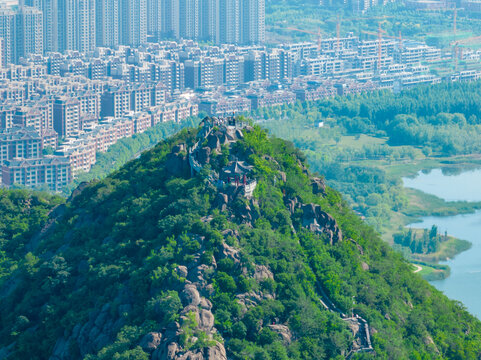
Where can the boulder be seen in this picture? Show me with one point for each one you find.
(213, 142)
(78, 190)
(178, 148)
(216, 352)
(239, 134)
(321, 222)
(151, 341)
(60, 351)
(230, 253)
(292, 205)
(283, 331)
(221, 201)
(206, 322)
(181, 271)
(318, 186)
(205, 304)
(190, 295)
(262, 273)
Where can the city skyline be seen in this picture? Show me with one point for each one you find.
(41, 26)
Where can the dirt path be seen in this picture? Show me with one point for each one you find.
(418, 268)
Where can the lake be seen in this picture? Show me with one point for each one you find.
(465, 280)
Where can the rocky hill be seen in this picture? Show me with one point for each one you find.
(220, 244)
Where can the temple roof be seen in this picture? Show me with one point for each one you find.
(237, 168)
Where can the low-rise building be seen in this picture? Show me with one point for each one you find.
(51, 171)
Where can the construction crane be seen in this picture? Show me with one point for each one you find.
(373, 18)
(338, 34)
(318, 34)
(474, 39)
(398, 38)
(379, 35)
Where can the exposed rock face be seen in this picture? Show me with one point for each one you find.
(78, 190)
(262, 273)
(230, 253)
(283, 331)
(177, 165)
(321, 222)
(203, 155)
(213, 141)
(90, 337)
(318, 186)
(190, 295)
(182, 271)
(221, 201)
(150, 341)
(55, 215)
(167, 345)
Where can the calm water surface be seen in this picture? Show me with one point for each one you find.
(464, 186)
(464, 284)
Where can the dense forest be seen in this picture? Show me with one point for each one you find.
(428, 242)
(364, 134)
(151, 261)
(22, 214)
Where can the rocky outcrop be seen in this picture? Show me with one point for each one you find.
(53, 217)
(151, 341)
(318, 186)
(177, 165)
(262, 273)
(203, 155)
(283, 331)
(252, 298)
(221, 201)
(321, 222)
(230, 252)
(196, 318)
(78, 190)
(92, 336)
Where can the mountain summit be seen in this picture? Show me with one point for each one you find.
(220, 244)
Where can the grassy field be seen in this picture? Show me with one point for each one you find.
(432, 272)
(396, 162)
(448, 250)
(421, 204)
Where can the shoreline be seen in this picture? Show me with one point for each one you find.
(422, 205)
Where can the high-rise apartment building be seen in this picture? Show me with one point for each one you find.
(29, 32)
(253, 18)
(76, 25)
(134, 22)
(219, 21)
(154, 19)
(210, 20)
(108, 22)
(66, 116)
(50, 25)
(190, 17)
(7, 33)
(228, 25)
(169, 12)
(21, 31)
